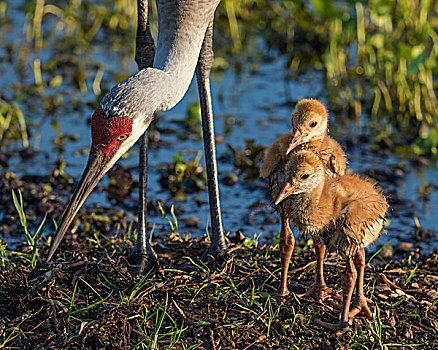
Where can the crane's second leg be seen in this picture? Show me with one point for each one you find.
(203, 69)
(144, 43)
(143, 254)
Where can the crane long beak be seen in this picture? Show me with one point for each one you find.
(295, 140)
(287, 190)
(95, 169)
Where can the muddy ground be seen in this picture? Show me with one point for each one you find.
(90, 297)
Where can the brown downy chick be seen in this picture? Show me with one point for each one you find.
(346, 213)
(309, 121)
(309, 131)
(287, 210)
(309, 127)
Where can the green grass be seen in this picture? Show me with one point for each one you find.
(174, 222)
(32, 240)
(185, 303)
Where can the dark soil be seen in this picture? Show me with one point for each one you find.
(89, 297)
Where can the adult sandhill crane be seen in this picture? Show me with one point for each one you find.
(184, 43)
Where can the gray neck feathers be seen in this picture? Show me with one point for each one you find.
(137, 96)
(182, 26)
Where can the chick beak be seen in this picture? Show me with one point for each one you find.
(295, 140)
(95, 169)
(287, 190)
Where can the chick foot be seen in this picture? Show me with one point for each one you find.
(340, 327)
(320, 292)
(360, 307)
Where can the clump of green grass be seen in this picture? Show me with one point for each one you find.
(384, 57)
(3, 253)
(12, 123)
(32, 240)
(173, 222)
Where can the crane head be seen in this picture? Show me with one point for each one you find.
(111, 138)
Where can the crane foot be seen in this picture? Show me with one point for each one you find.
(215, 252)
(143, 261)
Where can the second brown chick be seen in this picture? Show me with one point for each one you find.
(345, 212)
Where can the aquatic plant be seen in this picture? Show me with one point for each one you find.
(12, 124)
(181, 177)
(378, 57)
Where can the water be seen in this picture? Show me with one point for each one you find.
(257, 106)
(251, 100)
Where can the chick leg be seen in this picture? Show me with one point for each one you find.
(348, 282)
(287, 244)
(361, 304)
(320, 291)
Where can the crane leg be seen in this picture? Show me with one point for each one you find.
(203, 69)
(143, 254)
(144, 43)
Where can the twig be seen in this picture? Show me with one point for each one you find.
(258, 340)
(181, 312)
(273, 276)
(55, 319)
(248, 275)
(303, 267)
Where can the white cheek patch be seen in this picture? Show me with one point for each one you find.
(141, 124)
(124, 147)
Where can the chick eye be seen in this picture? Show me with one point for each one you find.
(122, 137)
(304, 176)
(313, 124)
